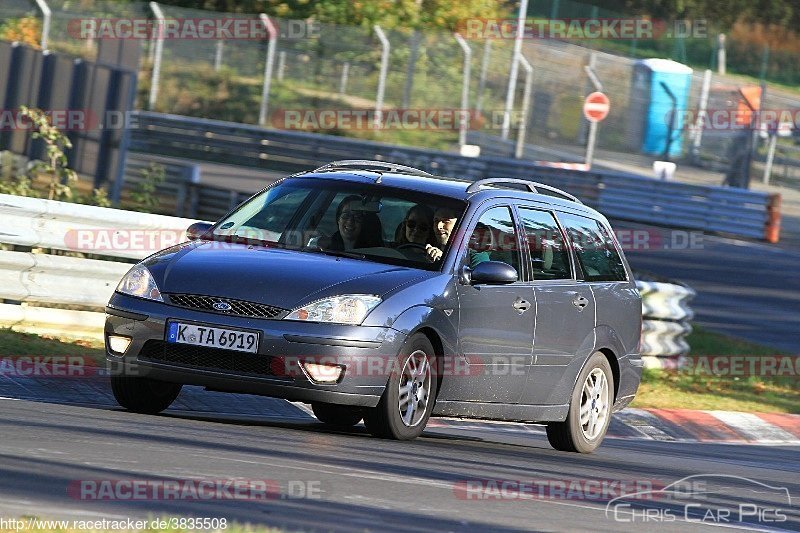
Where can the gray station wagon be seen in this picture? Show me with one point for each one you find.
(378, 292)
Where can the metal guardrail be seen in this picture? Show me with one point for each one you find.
(55, 279)
(39, 278)
(41, 223)
(619, 195)
(182, 192)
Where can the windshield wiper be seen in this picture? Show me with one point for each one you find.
(337, 253)
(240, 239)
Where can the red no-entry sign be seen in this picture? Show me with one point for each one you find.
(596, 107)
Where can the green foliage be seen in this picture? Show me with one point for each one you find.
(145, 196)
(98, 197)
(444, 14)
(61, 177)
(19, 186)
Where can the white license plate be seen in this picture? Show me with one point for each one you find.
(212, 337)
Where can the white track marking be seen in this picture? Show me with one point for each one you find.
(753, 427)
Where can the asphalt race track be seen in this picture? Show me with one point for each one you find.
(357, 482)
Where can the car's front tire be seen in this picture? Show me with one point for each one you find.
(407, 403)
(144, 395)
(342, 416)
(589, 410)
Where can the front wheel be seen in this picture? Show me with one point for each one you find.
(407, 402)
(589, 410)
(342, 416)
(144, 395)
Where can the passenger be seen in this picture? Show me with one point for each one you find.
(357, 228)
(444, 221)
(416, 227)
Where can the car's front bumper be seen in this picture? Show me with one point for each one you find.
(367, 354)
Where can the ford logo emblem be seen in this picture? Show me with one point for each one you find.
(222, 306)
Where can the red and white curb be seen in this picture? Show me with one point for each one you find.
(668, 425)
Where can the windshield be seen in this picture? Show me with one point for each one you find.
(362, 221)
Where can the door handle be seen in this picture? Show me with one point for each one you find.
(521, 305)
(580, 302)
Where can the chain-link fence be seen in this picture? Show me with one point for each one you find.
(331, 79)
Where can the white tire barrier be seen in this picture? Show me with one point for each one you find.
(665, 322)
(665, 301)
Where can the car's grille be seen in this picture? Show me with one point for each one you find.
(216, 359)
(236, 307)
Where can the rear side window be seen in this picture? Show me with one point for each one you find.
(548, 251)
(594, 249)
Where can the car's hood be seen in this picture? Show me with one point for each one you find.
(273, 276)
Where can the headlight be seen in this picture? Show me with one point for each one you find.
(348, 309)
(140, 283)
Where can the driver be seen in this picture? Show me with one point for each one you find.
(416, 227)
(444, 221)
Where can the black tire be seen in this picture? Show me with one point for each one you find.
(385, 420)
(342, 416)
(568, 436)
(144, 395)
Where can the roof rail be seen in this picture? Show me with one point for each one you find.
(366, 164)
(532, 186)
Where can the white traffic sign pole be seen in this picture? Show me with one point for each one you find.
(512, 76)
(590, 144)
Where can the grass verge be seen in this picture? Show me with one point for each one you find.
(698, 388)
(15, 344)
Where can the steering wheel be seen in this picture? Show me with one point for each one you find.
(412, 246)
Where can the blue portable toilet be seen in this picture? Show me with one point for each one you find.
(651, 105)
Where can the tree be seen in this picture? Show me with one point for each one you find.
(444, 14)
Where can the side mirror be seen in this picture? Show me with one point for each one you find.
(197, 230)
(492, 273)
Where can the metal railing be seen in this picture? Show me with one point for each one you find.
(617, 195)
(54, 279)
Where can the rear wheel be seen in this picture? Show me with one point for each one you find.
(337, 415)
(144, 395)
(589, 410)
(406, 404)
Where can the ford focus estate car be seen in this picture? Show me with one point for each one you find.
(378, 292)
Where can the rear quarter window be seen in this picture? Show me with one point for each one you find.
(594, 248)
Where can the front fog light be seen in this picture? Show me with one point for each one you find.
(323, 373)
(118, 344)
